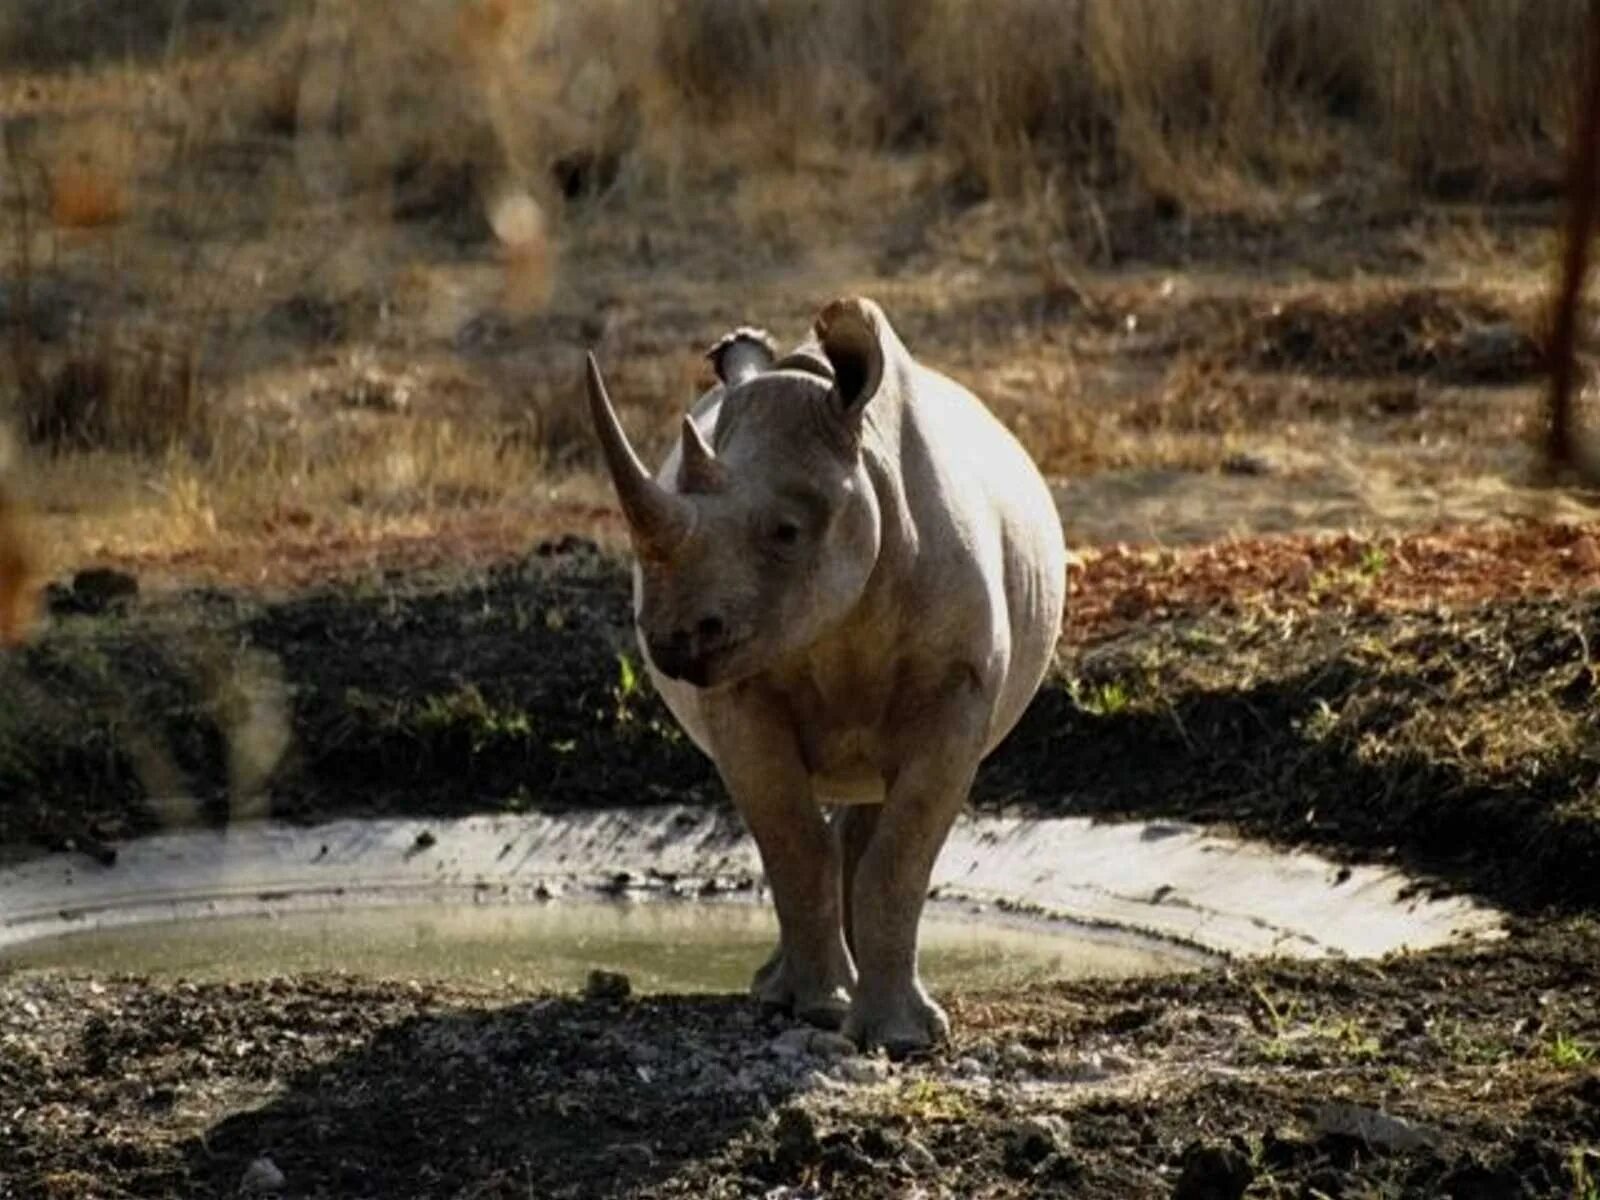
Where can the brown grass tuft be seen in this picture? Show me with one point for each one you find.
(18, 574)
(83, 196)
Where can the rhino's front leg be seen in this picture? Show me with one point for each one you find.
(891, 1007)
(811, 973)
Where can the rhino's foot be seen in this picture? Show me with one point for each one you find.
(766, 971)
(903, 1022)
(779, 987)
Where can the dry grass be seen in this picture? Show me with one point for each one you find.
(206, 197)
(18, 573)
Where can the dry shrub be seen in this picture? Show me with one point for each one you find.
(18, 571)
(114, 392)
(1443, 83)
(89, 168)
(83, 196)
(1173, 96)
(445, 104)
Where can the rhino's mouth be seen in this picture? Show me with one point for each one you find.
(714, 668)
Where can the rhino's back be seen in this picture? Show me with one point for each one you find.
(983, 487)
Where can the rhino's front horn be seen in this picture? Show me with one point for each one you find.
(658, 520)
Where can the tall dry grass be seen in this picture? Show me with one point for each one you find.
(265, 159)
(1174, 99)
(1159, 93)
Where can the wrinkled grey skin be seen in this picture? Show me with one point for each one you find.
(849, 585)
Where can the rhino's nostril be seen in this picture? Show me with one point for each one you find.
(710, 629)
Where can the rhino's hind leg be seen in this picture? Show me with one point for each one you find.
(852, 827)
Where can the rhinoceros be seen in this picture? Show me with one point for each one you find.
(849, 580)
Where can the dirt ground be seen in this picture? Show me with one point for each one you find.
(1321, 598)
(1252, 1081)
(1369, 698)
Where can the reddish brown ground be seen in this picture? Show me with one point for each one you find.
(1111, 586)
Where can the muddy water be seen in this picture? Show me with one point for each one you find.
(663, 946)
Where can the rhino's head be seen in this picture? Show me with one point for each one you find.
(769, 533)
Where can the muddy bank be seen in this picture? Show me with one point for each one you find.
(1167, 888)
(1261, 1075)
(1455, 741)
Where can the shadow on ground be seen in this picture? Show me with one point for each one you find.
(555, 1097)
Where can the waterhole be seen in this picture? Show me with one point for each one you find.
(663, 946)
(674, 898)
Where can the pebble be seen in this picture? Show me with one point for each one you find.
(607, 985)
(261, 1178)
(635, 1155)
(862, 1070)
(918, 1157)
(796, 1134)
(792, 1043)
(1044, 1133)
(1213, 1172)
(1586, 553)
(969, 1068)
(1374, 1128)
(827, 1044)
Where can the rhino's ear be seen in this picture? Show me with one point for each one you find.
(850, 332)
(741, 354)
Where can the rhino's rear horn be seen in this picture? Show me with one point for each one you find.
(658, 520)
(698, 468)
(742, 354)
(849, 334)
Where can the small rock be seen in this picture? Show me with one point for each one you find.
(1015, 1054)
(1474, 1180)
(918, 1157)
(880, 1143)
(1031, 1140)
(813, 1080)
(796, 1135)
(568, 543)
(825, 1043)
(1213, 1172)
(969, 1068)
(792, 1043)
(1329, 1183)
(844, 1159)
(1377, 1130)
(862, 1070)
(93, 591)
(607, 985)
(261, 1178)
(1246, 464)
(1586, 553)
(635, 1156)
(1089, 1068)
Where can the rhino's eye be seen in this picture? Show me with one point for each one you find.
(786, 533)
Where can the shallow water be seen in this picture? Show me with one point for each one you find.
(663, 946)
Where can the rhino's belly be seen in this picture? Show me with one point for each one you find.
(839, 790)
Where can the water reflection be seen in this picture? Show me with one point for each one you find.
(663, 946)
